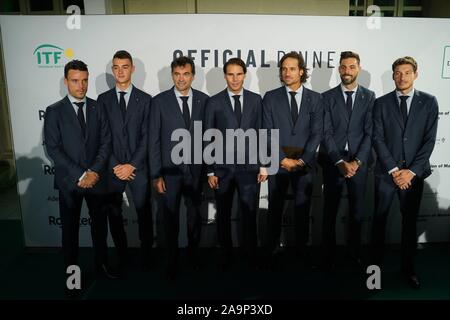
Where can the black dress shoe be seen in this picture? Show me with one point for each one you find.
(413, 280)
(106, 272)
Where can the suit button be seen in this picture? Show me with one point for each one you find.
(405, 139)
(293, 133)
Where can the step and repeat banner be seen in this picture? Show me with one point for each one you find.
(36, 48)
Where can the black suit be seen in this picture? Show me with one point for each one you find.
(129, 145)
(220, 115)
(355, 131)
(305, 134)
(180, 179)
(72, 155)
(406, 147)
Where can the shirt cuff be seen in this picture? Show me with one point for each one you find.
(342, 160)
(81, 178)
(211, 174)
(263, 171)
(392, 170)
(412, 172)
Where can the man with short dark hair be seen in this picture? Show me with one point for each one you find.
(404, 133)
(175, 109)
(77, 139)
(344, 155)
(297, 113)
(232, 109)
(127, 109)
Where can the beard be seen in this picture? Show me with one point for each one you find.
(347, 81)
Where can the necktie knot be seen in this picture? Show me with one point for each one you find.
(349, 94)
(184, 99)
(79, 104)
(122, 93)
(404, 98)
(292, 93)
(236, 97)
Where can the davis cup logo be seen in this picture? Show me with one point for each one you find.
(51, 56)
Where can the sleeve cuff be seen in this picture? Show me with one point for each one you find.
(339, 161)
(392, 170)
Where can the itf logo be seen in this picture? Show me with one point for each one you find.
(446, 63)
(49, 56)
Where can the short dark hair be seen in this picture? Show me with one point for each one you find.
(349, 54)
(405, 60)
(123, 54)
(235, 61)
(181, 62)
(301, 65)
(74, 65)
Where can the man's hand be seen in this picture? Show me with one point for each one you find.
(347, 169)
(403, 178)
(159, 185)
(290, 164)
(89, 180)
(124, 171)
(213, 182)
(262, 175)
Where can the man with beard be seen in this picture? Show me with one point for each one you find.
(344, 156)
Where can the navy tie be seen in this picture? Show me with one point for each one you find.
(237, 109)
(186, 114)
(294, 107)
(349, 102)
(403, 108)
(80, 116)
(123, 105)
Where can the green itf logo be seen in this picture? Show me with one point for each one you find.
(50, 56)
(446, 63)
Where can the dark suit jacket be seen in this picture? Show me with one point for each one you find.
(308, 130)
(71, 154)
(391, 137)
(129, 138)
(166, 117)
(220, 115)
(339, 128)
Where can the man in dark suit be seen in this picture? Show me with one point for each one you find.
(127, 109)
(344, 155)
(231, 109)
(404, 133)
(77, 139)
(179, 108)
(297, 113)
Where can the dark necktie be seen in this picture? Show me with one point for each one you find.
(294, 107)
(123, 105)
(403, 108)
(80, 116)
(186, 114)
(349, 102)
(237, 109)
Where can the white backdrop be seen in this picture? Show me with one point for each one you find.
(37, 47)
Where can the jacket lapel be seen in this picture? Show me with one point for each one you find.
(340, 103)
(91, 118)
(196, 108)
(71, 116)
(414, 109)
(358, 104)
(229, 108)
(284, 105)
(175, 107)
(246, 110)
(132, 106)
(396, 111)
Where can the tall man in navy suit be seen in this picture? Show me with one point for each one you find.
(127, 109)
(344, 155)
(235, 108)
(77, 139)
(297, 113)
(404, 133)
(174, 109)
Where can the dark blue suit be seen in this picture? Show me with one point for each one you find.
(304, 135)
(180, 179)
(341, 128)
(72, 155)
(129, 145)
(243, 177)
(406, 147)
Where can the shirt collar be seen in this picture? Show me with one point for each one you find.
(231, 94)
(299, 90)
(409, 94)
(73, 99)
(178, 93)
(344, 89)
(127, 90)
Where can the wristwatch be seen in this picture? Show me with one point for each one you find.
(359, 162)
